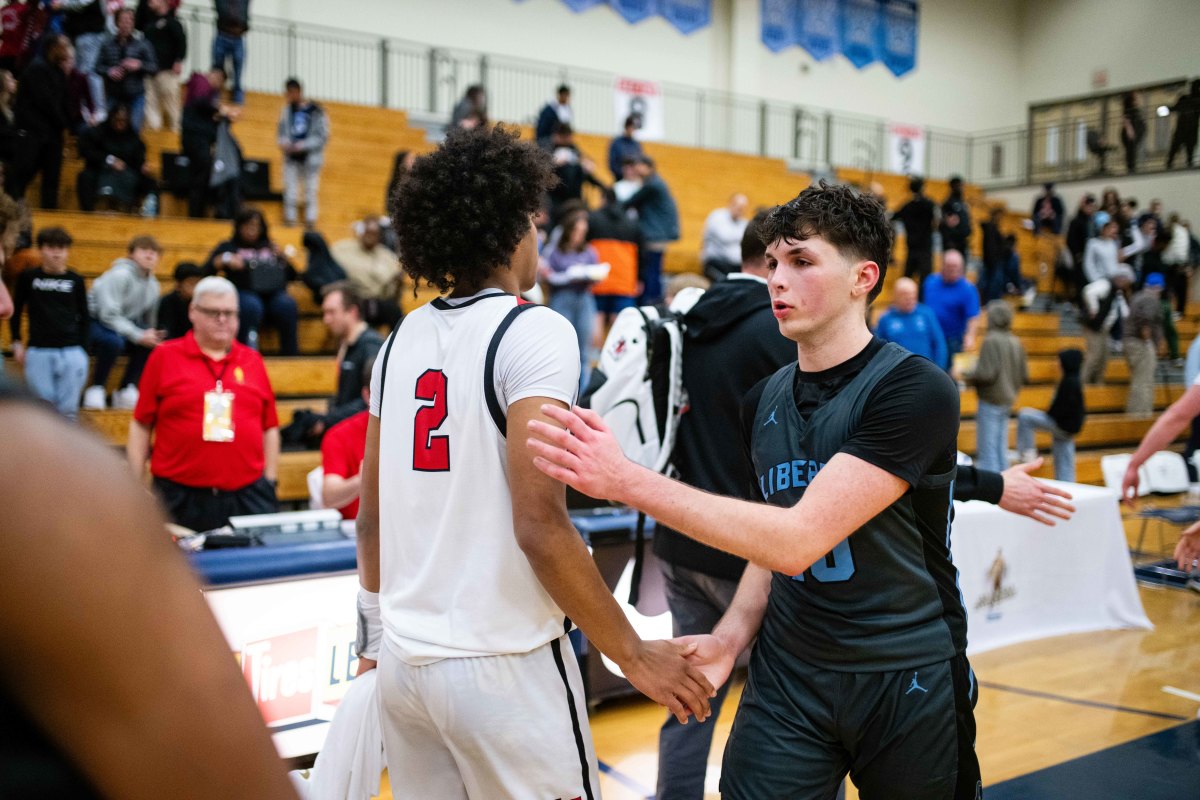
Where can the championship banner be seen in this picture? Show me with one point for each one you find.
(817, 25)
(905, 149)
(634, 11)
(642, 100)
(778, 31)
(899, 35)
(688, 16)
(860, 31)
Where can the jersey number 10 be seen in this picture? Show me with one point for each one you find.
(431, 453)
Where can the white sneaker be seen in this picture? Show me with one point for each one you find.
(126, 398)
(93, 398)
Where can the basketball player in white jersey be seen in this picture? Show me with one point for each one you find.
(478, 570)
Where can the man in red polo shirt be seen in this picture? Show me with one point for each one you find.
(210, 405)
(342, 451)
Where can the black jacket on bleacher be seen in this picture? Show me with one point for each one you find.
(41, 105)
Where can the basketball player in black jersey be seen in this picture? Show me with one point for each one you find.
(859, 664)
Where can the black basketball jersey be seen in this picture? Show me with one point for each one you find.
(886, 598)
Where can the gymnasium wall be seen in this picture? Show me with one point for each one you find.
(1063, 42)
(964, 79)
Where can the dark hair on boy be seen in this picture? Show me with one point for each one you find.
(144, 243)
(292, 83)
(753, 247)
(188, 269)
(54, 237)
(915, 184)
(467, 205)
(855, 223)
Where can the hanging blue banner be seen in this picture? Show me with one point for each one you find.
(817, 26)
(688, 16)
(860, 31)
(898, 35)
(581, 5)
(778, 24)
(634, 11)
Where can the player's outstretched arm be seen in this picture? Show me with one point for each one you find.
(109, 644)
(844, 495)
(561, 561)
(1161, 434)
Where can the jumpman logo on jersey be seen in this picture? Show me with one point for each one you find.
(914, 686)
(771, 419)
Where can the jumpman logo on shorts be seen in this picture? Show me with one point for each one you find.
(771, 419)
(914, 686)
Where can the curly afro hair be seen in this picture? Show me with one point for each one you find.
(853, 222)
(464, 208)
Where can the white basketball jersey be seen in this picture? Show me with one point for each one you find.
(453, 581)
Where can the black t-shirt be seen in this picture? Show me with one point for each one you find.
(915, 390)
(886, 597)
(58, 311)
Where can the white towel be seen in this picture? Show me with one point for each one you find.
(350, 764)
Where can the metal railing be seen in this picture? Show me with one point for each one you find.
(346, 66)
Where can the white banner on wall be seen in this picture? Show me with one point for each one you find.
(642, 100)
(905, 149)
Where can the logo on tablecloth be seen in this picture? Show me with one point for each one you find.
(299, 675)
(998, 592)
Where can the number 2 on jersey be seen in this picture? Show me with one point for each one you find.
(431, 453)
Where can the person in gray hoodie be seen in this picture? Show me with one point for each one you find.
(998, 376)
(302, 133)
(124, 307)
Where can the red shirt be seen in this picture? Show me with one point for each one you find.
(342, 452)
(171, 402)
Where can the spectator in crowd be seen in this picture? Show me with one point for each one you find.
(1187, 125)
(341, 311)
(202, 114)
(168, 40)
(401, 165)
(1155, 213)
(658, 218)
(1010, 261)
(302, 133)
(913, 325)
(126, 61)
(124, 309)
(629, 183)
(617, 242)
(1104, 305)
(1143, 237)
(56, 298)
(86, 23)
(1062, 421)
(955, 302)
(41, 116)
(1143, 334)
(991, 277)
(10, 226)
(10, 140)
(260, 271)
(158, 687)
(571, 284)
(1101, 255)
(209, 384)
(372, 270)
(115, 168)
(1133, 128)
(233, 21)
(998, 376)
(15, 18)
(1079, 231)
(173, 317)
(1176, 257)
(1048, 212)
(917, 216)
(473, 105)
(956, 219)
(624, 147)
(721, 250)
(554, 113)
(573, 169)
(342, 452)
(732, 342)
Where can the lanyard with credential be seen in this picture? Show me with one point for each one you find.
(218, 407)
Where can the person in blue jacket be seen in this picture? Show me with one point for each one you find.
(912, 325)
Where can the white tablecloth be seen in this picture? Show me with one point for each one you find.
(1021, 580)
